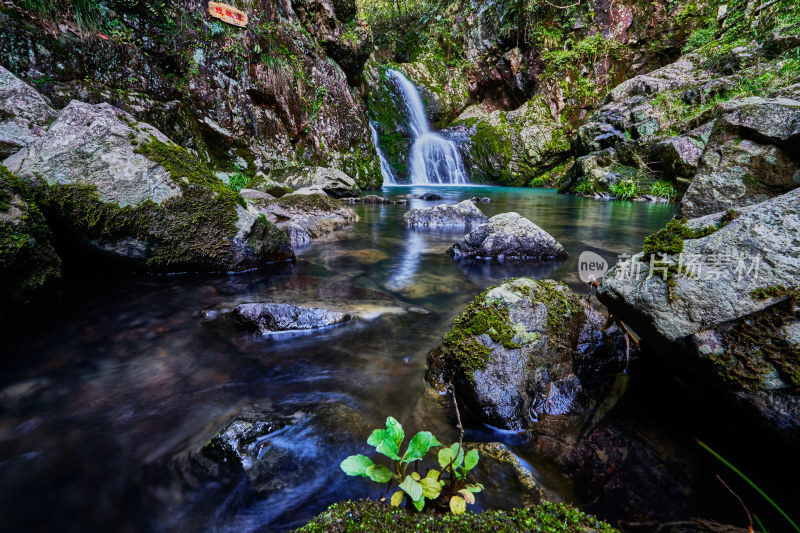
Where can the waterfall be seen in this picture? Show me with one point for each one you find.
(386, 170)
(434, 159)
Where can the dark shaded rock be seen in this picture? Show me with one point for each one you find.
(430, 197)
(464, 214)
(121, 190)
(508, 237)
(499, 467)
(751, 155)
(679, 156)
(270, 318)
(480, 200)
(29, 265)
(737, 330)
(24, 114)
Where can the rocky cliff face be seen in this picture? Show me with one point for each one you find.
(285, 90)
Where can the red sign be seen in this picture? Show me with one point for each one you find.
(228, 14)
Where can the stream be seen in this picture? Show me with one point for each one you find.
(100, 392)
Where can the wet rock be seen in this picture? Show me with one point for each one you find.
(29, 265)
(733, 322)
(480, 200)
(464, 214)
(269, 318)
(499, 467)
(24, 114)
(374, 200)
(121, 190)
(515, 357)
(306, 214)
(334, 182)
(751, 156)
(430, 197)
(508, 237)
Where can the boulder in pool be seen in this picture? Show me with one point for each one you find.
(508, 237)
(430, 197)
(464, 214)
(269, 318)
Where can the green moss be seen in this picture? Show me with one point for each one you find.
(309, 202)
(371, 516)
(462, 346)
(773, 291)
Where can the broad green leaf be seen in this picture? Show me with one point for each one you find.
(474, 487)
(458, 451)
(458, 505)
(420, 445)
(412, 488)
(419, 504)
(378, 436)
(467, 495)
(430, 488)
(433, 474)
(446, 455)
(379, 473)
(471, 459)
(384, 443)
(397, 498)
(395, 430)
(356, 465)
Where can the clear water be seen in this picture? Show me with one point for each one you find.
(100, 392)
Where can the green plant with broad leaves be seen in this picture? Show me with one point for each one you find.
(448, 486)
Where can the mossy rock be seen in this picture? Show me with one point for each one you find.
(119, 190)
(28, 263)
(370, 516)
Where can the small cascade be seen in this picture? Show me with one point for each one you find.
(434, 159)
(386, 170)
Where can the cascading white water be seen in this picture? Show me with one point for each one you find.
(386, 170)
(434, 159)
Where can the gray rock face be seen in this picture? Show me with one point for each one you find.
(270, 318)
(332, 181)
(464, 214)
(24, 114)
(121, 189)
(679, 156)
(508, 237)
(738, 340)
(752, 155)
(523, 370)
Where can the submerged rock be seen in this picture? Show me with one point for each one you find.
(480, 199)
(508, 237)
(374, 200)
(430, 197)
(28, 263)
(734, 320)
(751, 156)
(516, 355)
(270, 318)
(464, 214)
(121, 190)
(24, 114)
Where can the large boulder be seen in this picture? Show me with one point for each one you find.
(508, 237)
(516, 357)
(753, 154)
(464, 214)
(24, 114)
(28, 263)
(306, 214)
(334, 182)
(120, 189)
(726, 309)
